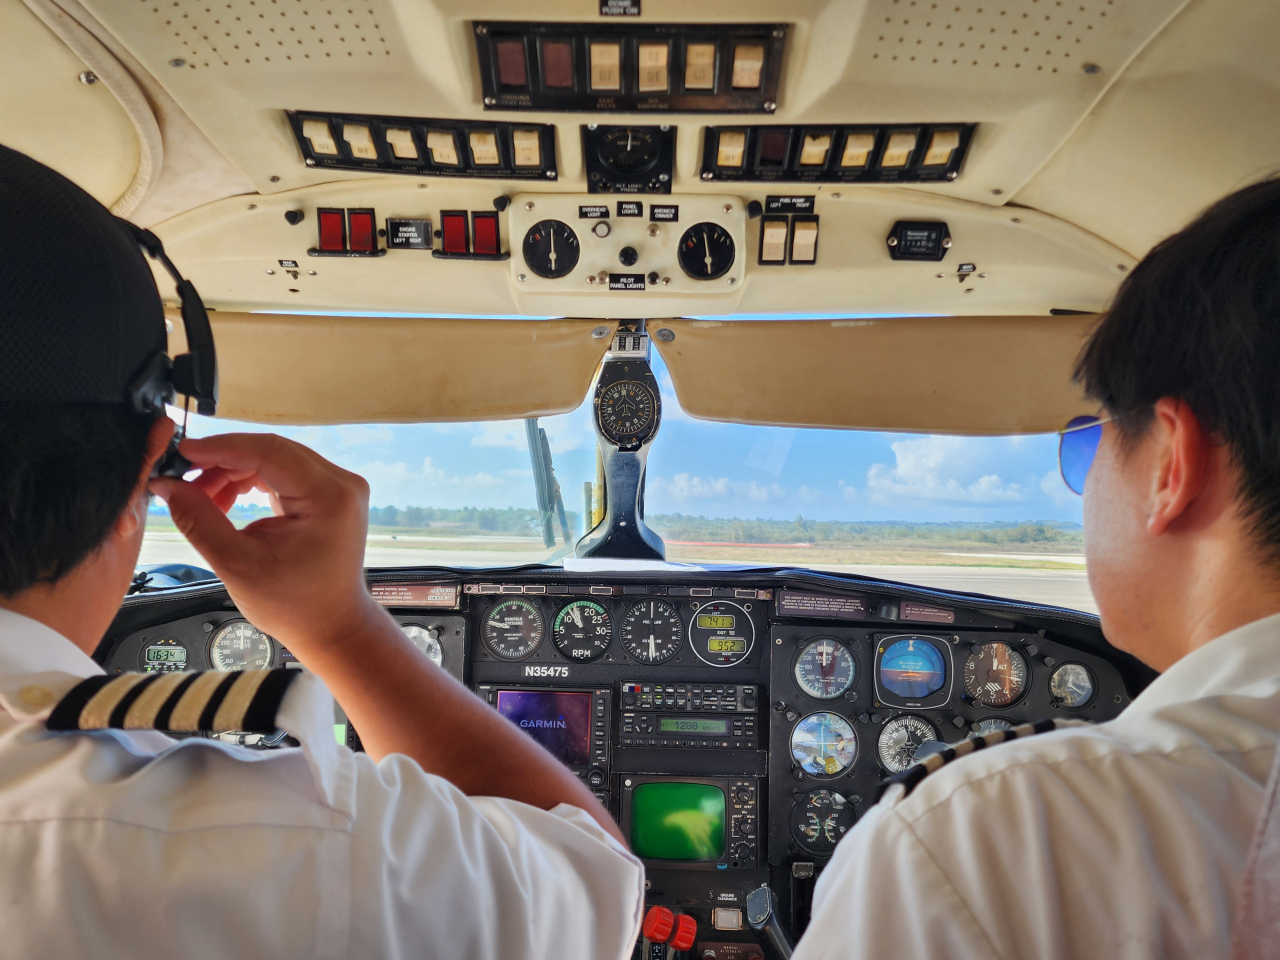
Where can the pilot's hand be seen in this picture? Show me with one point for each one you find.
(298, 576)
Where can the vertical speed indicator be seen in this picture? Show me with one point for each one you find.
(652, 632)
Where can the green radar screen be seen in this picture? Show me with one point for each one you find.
(678, 821)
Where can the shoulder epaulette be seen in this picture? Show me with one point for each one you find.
(201, 702)
(910, 778)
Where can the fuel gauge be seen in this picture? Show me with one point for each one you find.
(551, 249)
(706, 251)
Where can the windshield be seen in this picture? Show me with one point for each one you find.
(988, 515)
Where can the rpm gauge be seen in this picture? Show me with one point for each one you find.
(426, 639)
(995, 674)
(706, 251)
(825, 669)
(823, 744)
(819, 819)
(652, 631)
(551, 249)
(240, 645)
(900, 738)
(582, 631)
(513, 629)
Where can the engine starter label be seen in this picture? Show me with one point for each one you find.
(536, 671)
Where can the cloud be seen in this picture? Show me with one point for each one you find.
(928, 469)
(564, 432)
(847, 490)
(809, 494)
(1053, 487)
(684, 487)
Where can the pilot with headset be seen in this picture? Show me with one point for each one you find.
(454, 837)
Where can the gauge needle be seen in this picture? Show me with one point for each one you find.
(653, 648)
(577, 616)
(552, 232)
(628, 141)
(707, 244)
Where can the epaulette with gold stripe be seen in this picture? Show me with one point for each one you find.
(201, 702)
(910, 778)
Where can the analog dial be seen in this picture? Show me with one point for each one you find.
(819, 819)
(706, 251)
(240, 645)
(551, 249)
(823, 744)
(513, 629)
(582, 631)
(825, 669)
(900, 738)
(628, 149)
(426, 639)
(652, 631)
(991, 725)
(995, 674)
(1071, 685)
(626, 409)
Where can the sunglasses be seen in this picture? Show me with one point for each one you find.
(1077, 446)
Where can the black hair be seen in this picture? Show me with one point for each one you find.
(1199, 320)
(67, 471)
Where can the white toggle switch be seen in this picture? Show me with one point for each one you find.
(360, 140)
(321, 137)
(804, 241)
(773, 243)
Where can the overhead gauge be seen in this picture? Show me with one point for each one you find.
(426, 639)
(824, 745)
(722, 633)
(825, 669)
(551, 249)
(628, 149)
(582, 631)
(652, 631)
(1071, 685)
(626, 410)
(995, 674)
(706, 251)
(991, 725)
(912, 671)
(900, 738)
(819, 819)
(163, 655)
(239, 645)
(513, 629)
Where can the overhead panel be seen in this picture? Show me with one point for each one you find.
(962, 375)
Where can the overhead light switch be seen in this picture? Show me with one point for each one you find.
(527, 147)
(942, 144)
(443, 147)
(898, 150)
(857, 149)
(773, 240)
(321, 137)
(606, 66)
(804, 240)
(700, 66)
(401, 142)
(731, 148)
(748, 64)
(484, 148)
(360, 141)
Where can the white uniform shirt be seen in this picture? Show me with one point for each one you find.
(1122, 840)
(132, 844)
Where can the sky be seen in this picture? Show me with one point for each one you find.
(701, 468)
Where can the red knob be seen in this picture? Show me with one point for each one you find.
(657, 924)
(686, 932)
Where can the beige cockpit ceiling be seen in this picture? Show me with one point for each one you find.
(1100, 126)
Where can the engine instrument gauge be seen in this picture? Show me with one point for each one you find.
(823, 744)
(426, 639)
(163, 655)
(819, 819)
(912, 668)
(626, 410)
(995, 674)
(652, 631)
(825, 669)
(239, 645)
(628, 149)
(582, 631)
(706, 251)
(722, 633)
(551, 249)
(513, 629)
(990, 725)
(1071, 685)
(900, 738)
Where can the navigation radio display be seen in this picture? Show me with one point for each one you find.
(561, 722)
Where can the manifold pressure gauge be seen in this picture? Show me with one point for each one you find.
(626, 411)
(551, 249)
(513, 629)
(706, 251)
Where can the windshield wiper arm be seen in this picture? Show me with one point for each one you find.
(544, 482)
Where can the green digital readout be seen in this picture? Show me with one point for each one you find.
(709, 622)
(699, 725)
(678, 821)
(726, 644)
(166, 655)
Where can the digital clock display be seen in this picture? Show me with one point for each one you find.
(708, 622)
(166, 655)
(688, 725)
(726, 645)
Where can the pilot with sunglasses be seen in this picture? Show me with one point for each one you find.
(1130, 838)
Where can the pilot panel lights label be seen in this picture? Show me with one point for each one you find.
(626, 281)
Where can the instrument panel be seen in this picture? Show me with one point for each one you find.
(737, 726)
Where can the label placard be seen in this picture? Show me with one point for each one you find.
(626, 281)
(619, 8)
(593, 211)
(409, 234)
(415, 595)
(788, 204)
(630, 208)
(793, 603)
(666, 212)
(922, 613)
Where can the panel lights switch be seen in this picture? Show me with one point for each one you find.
(526, 145)
(857, 149)
(773, 240)
(484, 148)
(484, 234)
(748, 66)
(321, 137)
(899, 149)
(804, 239)
(362, 230)
(333, 230)
(814, 150)
(401, 142)
(453, 227)
(360, 140)
(700, 66)
(653, 67)
(942, 145)
(443, 147)
(731, 148)
(606, 66)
